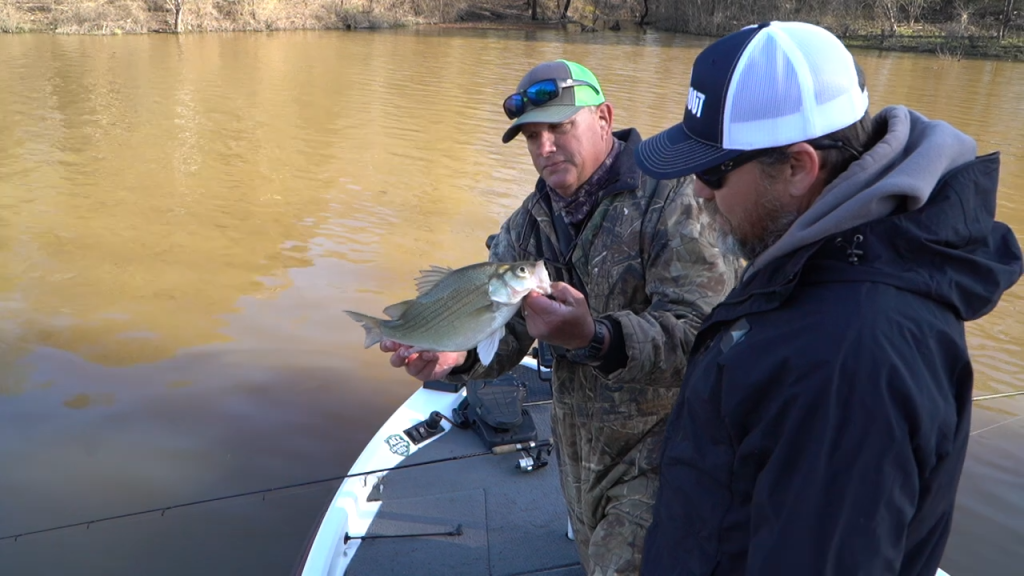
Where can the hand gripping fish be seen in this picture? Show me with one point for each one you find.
(457, 310)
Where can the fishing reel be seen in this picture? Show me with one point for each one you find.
(533, 453)
(535, 458)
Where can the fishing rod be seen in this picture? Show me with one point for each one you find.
(1003, 395)
(526, 464)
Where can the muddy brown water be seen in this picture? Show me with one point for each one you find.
(183, 220)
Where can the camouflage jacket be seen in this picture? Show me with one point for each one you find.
(646, 258)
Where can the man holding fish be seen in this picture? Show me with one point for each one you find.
(635, 270)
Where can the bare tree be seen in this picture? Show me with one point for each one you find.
(914, 9)
(963, 11)
(178, 6)
(888, 12)
(1007, 18)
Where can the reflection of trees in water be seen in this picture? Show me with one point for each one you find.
(167, 194)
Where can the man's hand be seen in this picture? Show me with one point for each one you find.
(422, 366)
(563, 320)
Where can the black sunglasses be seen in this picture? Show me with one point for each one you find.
(538, 94)
(714, 177)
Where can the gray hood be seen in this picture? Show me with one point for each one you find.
(906, 164)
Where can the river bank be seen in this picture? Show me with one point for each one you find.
(944, 47)
(947, 40)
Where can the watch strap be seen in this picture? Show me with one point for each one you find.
(591, 353)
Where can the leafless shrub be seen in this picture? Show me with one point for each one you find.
(99, 17)
(11, 20)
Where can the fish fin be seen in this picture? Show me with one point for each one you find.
(371, 325)
(489, 346)
(429, 278)
(396, 309)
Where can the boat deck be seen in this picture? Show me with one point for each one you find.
(513, 523)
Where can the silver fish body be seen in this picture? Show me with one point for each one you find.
(458, 310)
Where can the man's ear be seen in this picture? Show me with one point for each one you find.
(803, 169)
(605, 115)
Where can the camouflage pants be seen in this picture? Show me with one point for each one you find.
(615, 546)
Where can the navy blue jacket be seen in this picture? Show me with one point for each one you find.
(825, 411)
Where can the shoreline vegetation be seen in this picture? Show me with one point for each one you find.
(949, 29)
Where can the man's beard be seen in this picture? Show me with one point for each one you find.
(772, 222)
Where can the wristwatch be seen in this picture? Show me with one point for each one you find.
(591, 354)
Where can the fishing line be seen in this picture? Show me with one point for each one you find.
(497, 450)
(997, 425)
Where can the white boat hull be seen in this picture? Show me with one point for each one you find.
(350, 511)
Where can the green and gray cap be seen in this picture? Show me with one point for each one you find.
(569, 102)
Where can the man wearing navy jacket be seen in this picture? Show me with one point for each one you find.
(824, 415)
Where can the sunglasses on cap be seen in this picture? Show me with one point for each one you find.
(714, 177)
(538, 94)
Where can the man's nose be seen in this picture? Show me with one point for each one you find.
(547, 143)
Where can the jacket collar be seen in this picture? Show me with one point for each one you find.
(764, 289)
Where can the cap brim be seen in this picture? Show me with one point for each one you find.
(543, 115)
(673, 153)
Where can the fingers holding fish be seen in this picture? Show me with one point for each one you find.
(565, 294)
(422, 366)
(401, 357)
(389, 345)
(427, 365)
(562, 319)
(400, 353)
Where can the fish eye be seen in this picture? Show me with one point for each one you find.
(521, 271)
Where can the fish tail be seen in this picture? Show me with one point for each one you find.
(371, 325)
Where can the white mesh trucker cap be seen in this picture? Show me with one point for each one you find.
(766, 85)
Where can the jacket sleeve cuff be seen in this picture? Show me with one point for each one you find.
(464, 372)
(615, 357)
(468, 364)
